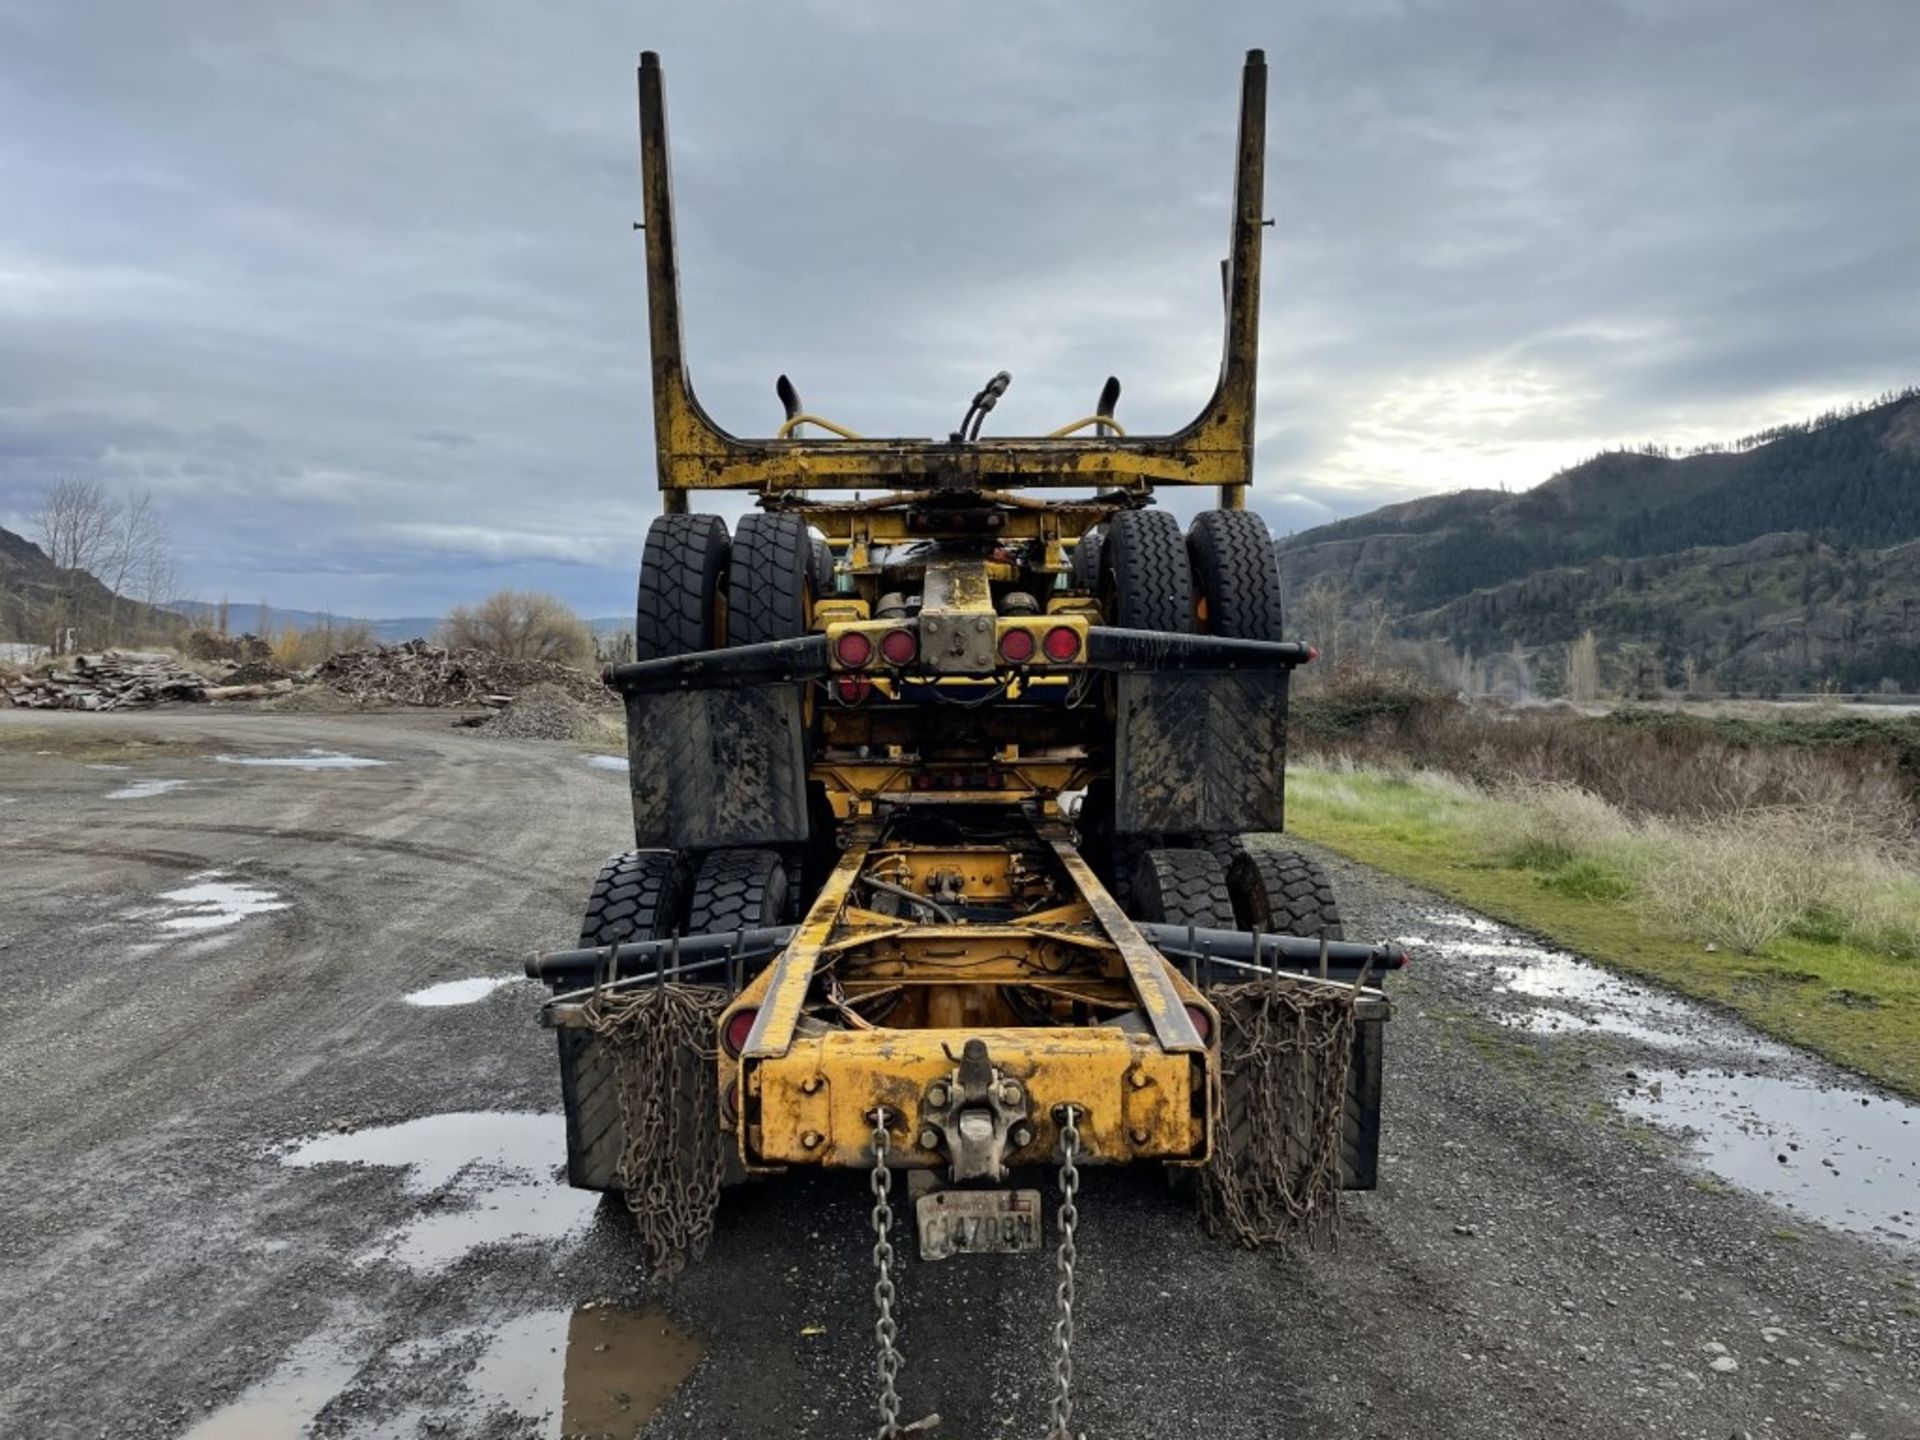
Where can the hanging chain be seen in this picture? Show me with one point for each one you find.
(884, 1329)
(1063, 1326)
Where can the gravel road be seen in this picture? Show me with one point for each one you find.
(250, 1188)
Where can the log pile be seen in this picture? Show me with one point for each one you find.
(113, 681)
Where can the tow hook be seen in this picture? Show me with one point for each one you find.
(978, 1111)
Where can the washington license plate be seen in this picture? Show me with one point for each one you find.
(977, 1222)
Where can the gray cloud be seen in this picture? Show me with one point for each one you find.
(352, 287)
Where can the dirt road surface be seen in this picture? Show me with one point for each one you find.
(249, 1188)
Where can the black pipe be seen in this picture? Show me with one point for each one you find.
(646, 957)
(1110, 648)
(1345, 958)
(772, 662)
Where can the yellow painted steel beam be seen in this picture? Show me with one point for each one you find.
(789, 976)
(813, 1106)
(1154, 981)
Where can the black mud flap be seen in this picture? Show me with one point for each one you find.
(1360, 1134)
(717, 768)
(1200, 751)
(590, 1095)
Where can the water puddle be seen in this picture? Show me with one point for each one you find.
(1561, 994)
(1758, 1114)
(608, 762)
(318, 1369)
(459, 992)
(600, 1370)
(210, 901)
(492, 1178)
(145, 789)
(1846, 1158)
(307, 760)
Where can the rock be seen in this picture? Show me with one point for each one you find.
(1724, 1364)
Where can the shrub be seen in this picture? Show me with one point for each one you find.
(520, 625)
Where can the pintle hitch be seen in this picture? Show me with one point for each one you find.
(978, 1111)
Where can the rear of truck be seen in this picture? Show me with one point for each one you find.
(958, 773)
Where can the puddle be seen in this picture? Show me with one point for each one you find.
(145, 789)
(601, 1370)
(281, 1405)
(608, 762)
(1759, 1114)
(493, 1177)
(1847, 1158)
(1585, 999)
(307, 760)
(459, 992)
(210, 901)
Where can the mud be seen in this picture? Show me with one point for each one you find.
(244, 1185)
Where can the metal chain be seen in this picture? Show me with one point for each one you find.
(1063, 1295)
(884, 1329)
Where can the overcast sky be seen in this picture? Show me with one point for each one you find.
(352, 288)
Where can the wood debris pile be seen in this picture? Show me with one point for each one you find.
(416, 673)
(113, 681)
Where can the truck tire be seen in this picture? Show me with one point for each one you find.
(681, 607)
(1181, 887)
(738, 890)
(636, 896)
(770, 581)
(1281, 892)
(1236, 581)
(1146, 579)
(1084, 566)
(822, 554)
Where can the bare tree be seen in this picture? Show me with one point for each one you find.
(1583, 669)
(138, 542)
(77, 523)
(521, 625)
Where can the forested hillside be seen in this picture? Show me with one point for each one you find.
(1781, 562)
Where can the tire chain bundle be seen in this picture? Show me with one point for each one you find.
(661, 1039)
(1285, 1053)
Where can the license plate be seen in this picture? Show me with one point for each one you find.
(978, 1222)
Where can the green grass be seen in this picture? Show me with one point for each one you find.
(1816, 985)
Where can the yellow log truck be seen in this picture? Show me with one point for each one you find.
(957, 772)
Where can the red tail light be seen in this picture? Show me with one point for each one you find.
(854, 688)
(899, 646)
(1016, 646)
(1062, 643)
(854, 649)
(733, 1039)
(1202, 1023)
(730, 1103)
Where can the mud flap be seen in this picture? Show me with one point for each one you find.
(717, 768)
(1200, 751)
(590, 1096)
(1360, 1130)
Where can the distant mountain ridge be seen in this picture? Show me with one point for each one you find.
(1788, 563)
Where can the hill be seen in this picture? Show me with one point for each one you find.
(1785, 561)
(37, 598)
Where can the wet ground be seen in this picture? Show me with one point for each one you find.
(279, 1159)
